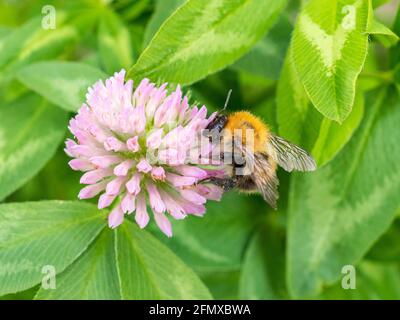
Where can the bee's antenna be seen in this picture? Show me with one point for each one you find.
(227, 99)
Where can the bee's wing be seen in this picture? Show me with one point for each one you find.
(289, 156)
(265, 179)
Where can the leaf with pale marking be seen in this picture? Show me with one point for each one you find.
(31, 42)
(93, 276)
(329, 49)
(202, 37)
(300, 123)
(339, 211)
(30, 131)
(63, 83)
(149, 270)
(45, 233)
(127, 263)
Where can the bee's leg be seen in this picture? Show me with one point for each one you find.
(226, 183)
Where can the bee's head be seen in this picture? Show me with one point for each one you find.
(218, 123)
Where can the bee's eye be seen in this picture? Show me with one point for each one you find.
(218, 123)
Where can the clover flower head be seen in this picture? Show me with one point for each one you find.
(140, 148)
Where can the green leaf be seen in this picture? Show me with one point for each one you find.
(300, 123)
(30, 132)
(387, 249)
(294, 113)
(31, 42)
(386, 36)
(263, 271)
(114, 43)
(63, 83)
(339, 211)
(216, 242)
(222, 285)
(329, 49)
(93, 276)
(374, 281)
(127, 263)
(333, 136)
(378, 3)
(149, 270)
(38, 234)
(4, 32)
(162, 11)
(266, 57)
(202, 37)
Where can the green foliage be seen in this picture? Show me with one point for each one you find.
(52, 233)
(31, 43)
(225, 252)
(63, 83)
(337, 46)
(266, 57)
(324, 74)
(114, 43)
(30, 131)
(299, 122)
(334, 219)
(159, 274)
(202, 37)
(263, 272)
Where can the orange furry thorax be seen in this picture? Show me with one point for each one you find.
(242, 121)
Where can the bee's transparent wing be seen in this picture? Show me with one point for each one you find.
(289, 156)
(265, 179)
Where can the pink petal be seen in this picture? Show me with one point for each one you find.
(113, 144)
(163, 223)
(158, 173)
(116, 217)
(98, 133)
(192, 196)
(128, 203)
(69, 143)
(191, 171)
(153, 141)
(173, 206)
(92, 190)
(171, 157)
(84, 150)
(156, 202)
(139, 121)
(141, 216)
(133, 185)
(94, 176)
(180, 181)
(123, 168)
(114, 186)
(133, 144)
(143, 166)
(105, 200)
(105, 161)
(191, 208)
(81, 165)
(210, 191)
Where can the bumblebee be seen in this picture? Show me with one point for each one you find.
(254, 153)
